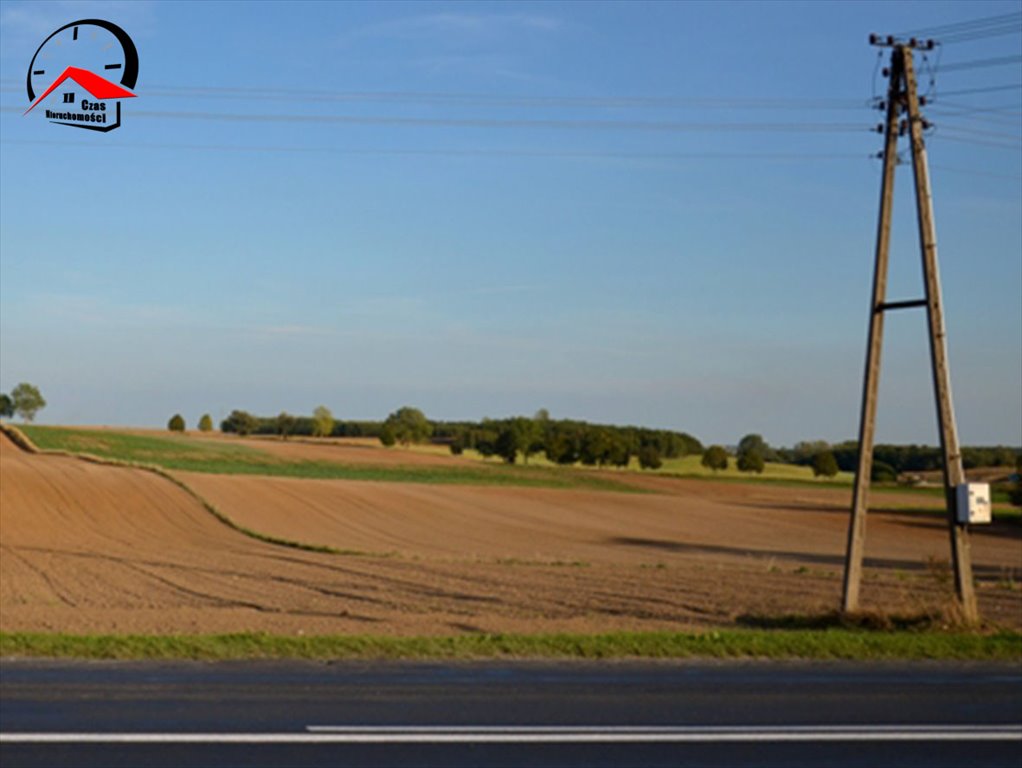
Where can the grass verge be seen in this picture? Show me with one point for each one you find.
(183, 453)
(831, 643)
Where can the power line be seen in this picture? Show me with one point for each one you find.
(967, 31)
(969, 37)
(985, 89)
(954, 116)
(568, 155)
(977, 142)
(965, 24)
(490, 100)
(974, 172)
(997, 61)
(979, 132)
(609, 125)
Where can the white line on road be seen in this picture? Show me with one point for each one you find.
(543, 735)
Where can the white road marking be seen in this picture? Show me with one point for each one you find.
(326, 734)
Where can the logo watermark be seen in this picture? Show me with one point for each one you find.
(80, 74)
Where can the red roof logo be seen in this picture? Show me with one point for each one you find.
(97, 86)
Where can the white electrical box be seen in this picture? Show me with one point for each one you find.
(973, 503)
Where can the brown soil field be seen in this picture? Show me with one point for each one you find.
(92, 548)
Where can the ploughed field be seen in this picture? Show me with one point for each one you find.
(86, 547)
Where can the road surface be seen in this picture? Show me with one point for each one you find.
(495, 714)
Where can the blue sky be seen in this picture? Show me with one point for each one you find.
(658, 214)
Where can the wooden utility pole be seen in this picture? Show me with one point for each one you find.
(902, 96)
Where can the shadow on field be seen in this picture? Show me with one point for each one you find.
(837, 620)
(809, 558)
(1005, 529)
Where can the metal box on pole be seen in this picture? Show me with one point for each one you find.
(973, 503)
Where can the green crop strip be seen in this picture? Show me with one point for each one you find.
(187, 454)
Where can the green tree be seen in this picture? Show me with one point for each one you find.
(387, 435)
(27, 400)
(751, 461)
(284, 424)
(322, 422)
(824, 464)
(409, 425)
(752, 454)
(6, 407)
(806, 451)
(882, 473)
(618, 452)
(506, 445)
(596, 445)
(1015, 494)
(562, 444)
(530, 434)
(239, 422)
(715, 458)
(176, 423)
(649, 457)
(206, 423)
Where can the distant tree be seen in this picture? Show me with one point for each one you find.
(409, 425)
(530, 434)
(806, 451)
(387, 435)
(596, 444)
(649, 457)
(176, 423)
(562, 444)
(239, 422)
(27, 400)
(485, 440)
(715, 458)
(882, 473)
(206, 423)
(750, 461)
(284, 424)
(618, 452)
(1015, 494)
(6, 407)
(457, 444)
(752, 454)
(506, 445)
(824, 464)
(322, 422)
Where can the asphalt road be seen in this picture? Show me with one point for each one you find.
(578, 714)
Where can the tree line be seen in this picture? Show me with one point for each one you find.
(889, 461)
(567, 441)
(562, 441)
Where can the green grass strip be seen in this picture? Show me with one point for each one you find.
(723, 644)
(187, 454)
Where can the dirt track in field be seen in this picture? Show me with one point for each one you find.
(91, 548)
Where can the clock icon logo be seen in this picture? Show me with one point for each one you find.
(82, 71)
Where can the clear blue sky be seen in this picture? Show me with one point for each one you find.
(657, 214)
